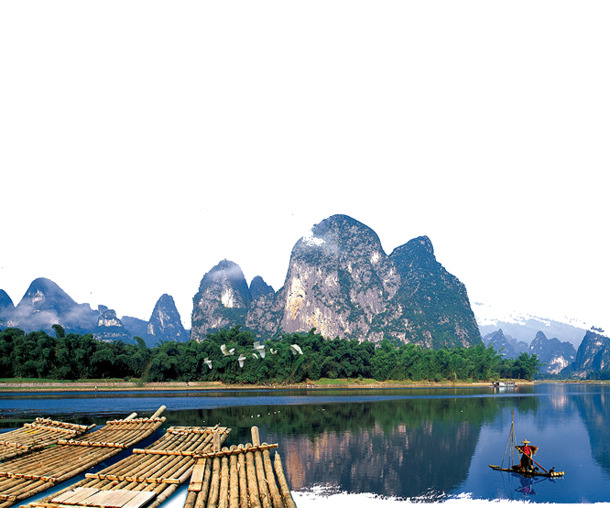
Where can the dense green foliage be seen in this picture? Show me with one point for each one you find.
(73, 356)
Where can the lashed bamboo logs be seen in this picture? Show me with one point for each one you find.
(157, 474)
(37, 435)
(241, 476)
(31, 474)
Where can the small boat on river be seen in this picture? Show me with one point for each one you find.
(527, 466)
(503, 384)
(551, 473)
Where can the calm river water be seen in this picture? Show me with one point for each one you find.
(418, 444)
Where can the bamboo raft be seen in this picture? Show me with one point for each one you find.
(147, 477)
(30, 474)
(239, 477)
(37, 435)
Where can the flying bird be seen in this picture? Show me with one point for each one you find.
(272, 351)
(208, 362)
(255, 356)
(260, 348)
(241, 360)
(225, 351)
(296, 349)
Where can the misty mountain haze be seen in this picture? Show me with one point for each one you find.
(45, 304)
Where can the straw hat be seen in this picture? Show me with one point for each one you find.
(525, 441)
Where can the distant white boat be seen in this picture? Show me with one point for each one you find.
(503, 384)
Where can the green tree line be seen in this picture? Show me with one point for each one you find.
(291, 358)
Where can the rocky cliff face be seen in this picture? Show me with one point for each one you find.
(339, 281)
(441, 299)
(110, 327)
(222, 301)
(554, 354)
(165, 323)
(342, 283)
(593, 354)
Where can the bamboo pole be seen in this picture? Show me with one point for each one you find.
(191, 496)
(158, 412)
(223, 499)
(252, 483)
(263, 489)
(202, 497)
(243, 481)
(233, 481)
(214, 484)
(284, 489)
(276, 496)
(168, 492)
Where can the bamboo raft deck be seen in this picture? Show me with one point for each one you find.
(37, 435)
(239, 477)
(30, 474)
(146, 478)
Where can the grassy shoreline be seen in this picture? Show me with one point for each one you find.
(31, 385)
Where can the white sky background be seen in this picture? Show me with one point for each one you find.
(141, 142)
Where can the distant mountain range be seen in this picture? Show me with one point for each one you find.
(340, 282)
(554, 354)
(45, 304)
(524, 327)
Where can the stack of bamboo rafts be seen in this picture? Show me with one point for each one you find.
(147, 477)
(35, 472)
(239, 477)
(37, 435)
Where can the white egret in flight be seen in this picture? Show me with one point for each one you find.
(226, 351)
(260, 349)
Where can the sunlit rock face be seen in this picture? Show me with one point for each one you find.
(110, 327)
(339, 281)
(222, 300)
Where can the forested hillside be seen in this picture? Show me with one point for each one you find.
(234, 356)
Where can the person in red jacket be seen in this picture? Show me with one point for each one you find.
(527, 452)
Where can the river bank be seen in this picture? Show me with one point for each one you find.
(121, 385)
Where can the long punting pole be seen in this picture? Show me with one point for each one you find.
(512, 442)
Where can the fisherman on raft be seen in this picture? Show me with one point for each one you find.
(527, 451)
